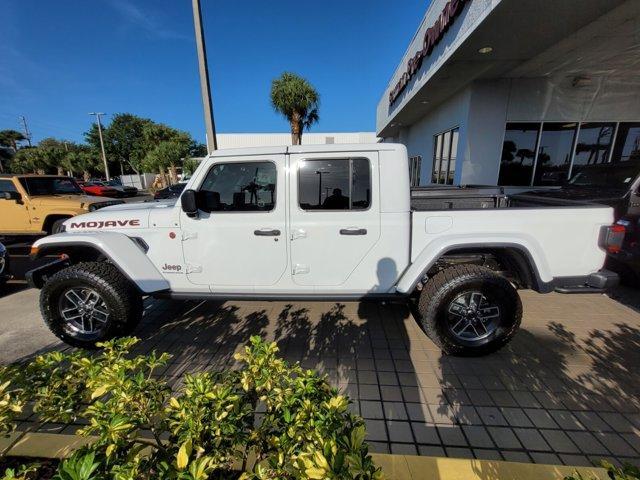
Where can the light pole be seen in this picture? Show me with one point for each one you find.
(104, 156)
(205, 89)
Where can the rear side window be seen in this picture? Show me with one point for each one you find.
(7, 186)
(335, 184)
(239, 187)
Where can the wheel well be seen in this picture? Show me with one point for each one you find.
(75, 253)
(51, 219)
(510, 262)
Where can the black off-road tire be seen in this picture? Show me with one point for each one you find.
(441, 290)
(123, 301)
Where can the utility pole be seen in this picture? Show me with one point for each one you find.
(27, 133)
(104, 156)
(205, 89)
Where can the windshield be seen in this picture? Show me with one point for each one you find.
(50, 186)
(611, 175)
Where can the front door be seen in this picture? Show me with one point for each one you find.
(238, 240)
(15, 214)
(334, 217)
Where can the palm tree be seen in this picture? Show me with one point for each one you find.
(296, 99)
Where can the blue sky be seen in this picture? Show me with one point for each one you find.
(60, 60)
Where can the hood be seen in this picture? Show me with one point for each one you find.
(127, 216)
(70, 201)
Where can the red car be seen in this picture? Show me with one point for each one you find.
(98, 190)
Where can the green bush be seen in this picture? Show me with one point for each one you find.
(626, 472)
(209, 428)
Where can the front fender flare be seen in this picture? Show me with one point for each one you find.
(120, 249)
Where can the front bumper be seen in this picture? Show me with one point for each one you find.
(597, 282)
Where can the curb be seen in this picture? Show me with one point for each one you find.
(395, 467)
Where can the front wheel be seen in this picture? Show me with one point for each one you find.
(89, 303)
(469, 310)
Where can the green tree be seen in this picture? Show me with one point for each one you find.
(166, 155)
(54, 150)
(30, 160)
(11, 139)
(123, 140)
(9, 144)
(296, 99)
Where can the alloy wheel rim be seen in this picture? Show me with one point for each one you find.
(84, 310)
(473, 317)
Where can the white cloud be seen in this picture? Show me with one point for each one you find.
(147, 20)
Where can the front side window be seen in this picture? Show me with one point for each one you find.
(239, 187)
(335, 184)
(444, 157)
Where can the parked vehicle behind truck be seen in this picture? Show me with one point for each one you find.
(40, 204)
(323, 222)
(615, 184)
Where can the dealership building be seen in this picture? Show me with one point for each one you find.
(516, 92)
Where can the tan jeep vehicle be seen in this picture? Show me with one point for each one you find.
(39, 204)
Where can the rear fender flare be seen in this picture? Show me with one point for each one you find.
(435, 250)
(119, 248)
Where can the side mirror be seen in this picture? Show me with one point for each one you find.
(189, 203)
(11, 196)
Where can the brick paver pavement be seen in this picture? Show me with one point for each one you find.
(564, 391)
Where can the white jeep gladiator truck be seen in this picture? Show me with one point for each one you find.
(324, 222)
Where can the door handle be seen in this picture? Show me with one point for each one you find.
(353, 231)
(267, 233)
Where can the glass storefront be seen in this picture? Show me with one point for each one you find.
(549, 153)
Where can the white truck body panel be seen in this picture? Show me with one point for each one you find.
(220, 253)
(560, 243)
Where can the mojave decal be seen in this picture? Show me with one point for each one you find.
(105, 224)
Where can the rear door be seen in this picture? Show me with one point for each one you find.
(334, 216)
(238, 239)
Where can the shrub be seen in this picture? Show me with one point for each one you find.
(626, 472)
(267, 419)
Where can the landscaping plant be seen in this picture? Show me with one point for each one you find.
(266, 420)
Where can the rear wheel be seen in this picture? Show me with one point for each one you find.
(89, 303)
(469, 310)
(56, 227)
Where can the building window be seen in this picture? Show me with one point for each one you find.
(445, 154)
(335, 184)
(593, 146)
(415, 165)
(239, 187)
(627, 146)
(554, 153)
(563, 150)
(518, 153)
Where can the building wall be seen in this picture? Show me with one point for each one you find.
(482, 110)
(419, 137)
